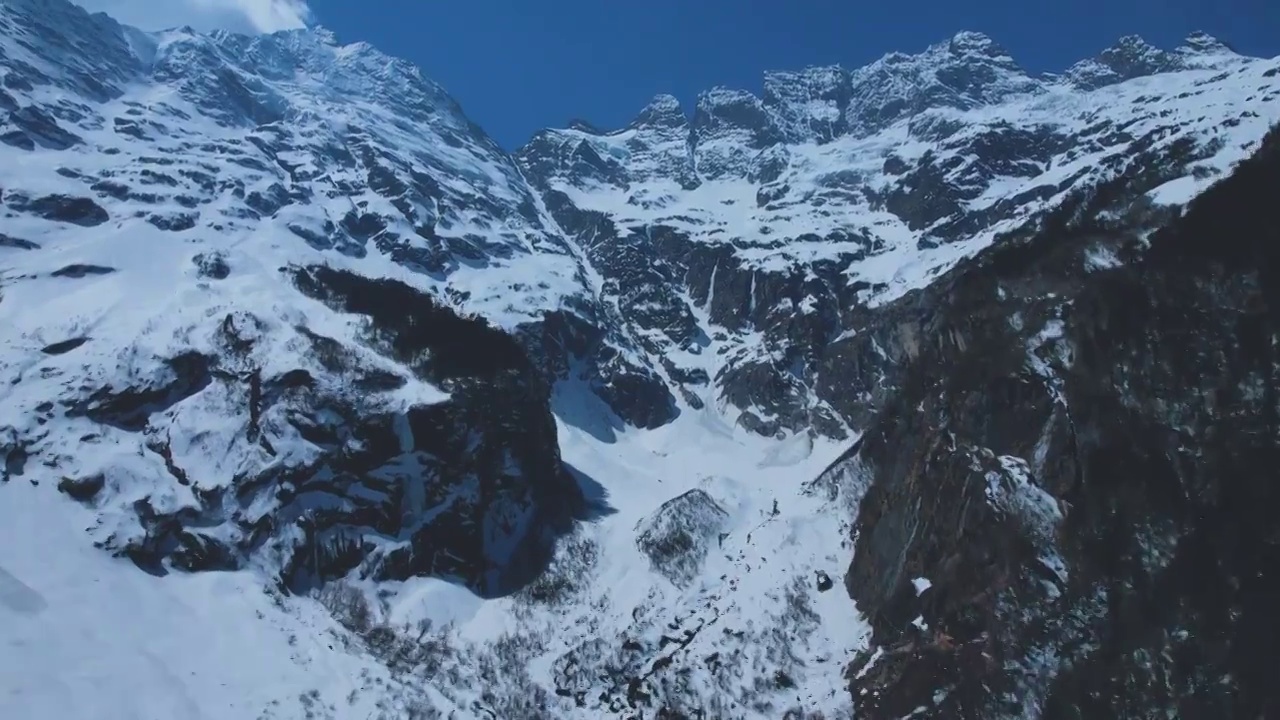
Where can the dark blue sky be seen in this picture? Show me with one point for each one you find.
(521, 65)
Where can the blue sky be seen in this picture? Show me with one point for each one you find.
(521, 65)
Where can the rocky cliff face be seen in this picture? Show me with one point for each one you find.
(1075, 518)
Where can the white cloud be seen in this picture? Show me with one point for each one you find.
(239, 15)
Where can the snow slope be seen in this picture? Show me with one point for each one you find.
(91, 636)
(750, 634)
(88, 636)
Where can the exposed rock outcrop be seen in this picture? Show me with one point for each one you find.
(468, 485)
(679, 534)
(1075, 469)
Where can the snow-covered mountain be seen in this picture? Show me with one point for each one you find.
(240, 295)
(314, 402)
(776, 220)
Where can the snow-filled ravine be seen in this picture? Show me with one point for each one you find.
(710, 569)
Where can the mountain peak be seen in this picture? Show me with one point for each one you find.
(728, 107)
(966, 47)
(663, 110)
(1133, 41)
(1201, 42)
(968, 70)
(1129, 57)
(722, 94)
(1132, 55)
(322, 34)
(663, 102)
(968, 42)
(584, 126)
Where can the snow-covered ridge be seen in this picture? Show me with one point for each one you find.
(301, 119)
(841, 190)
(897, 108)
